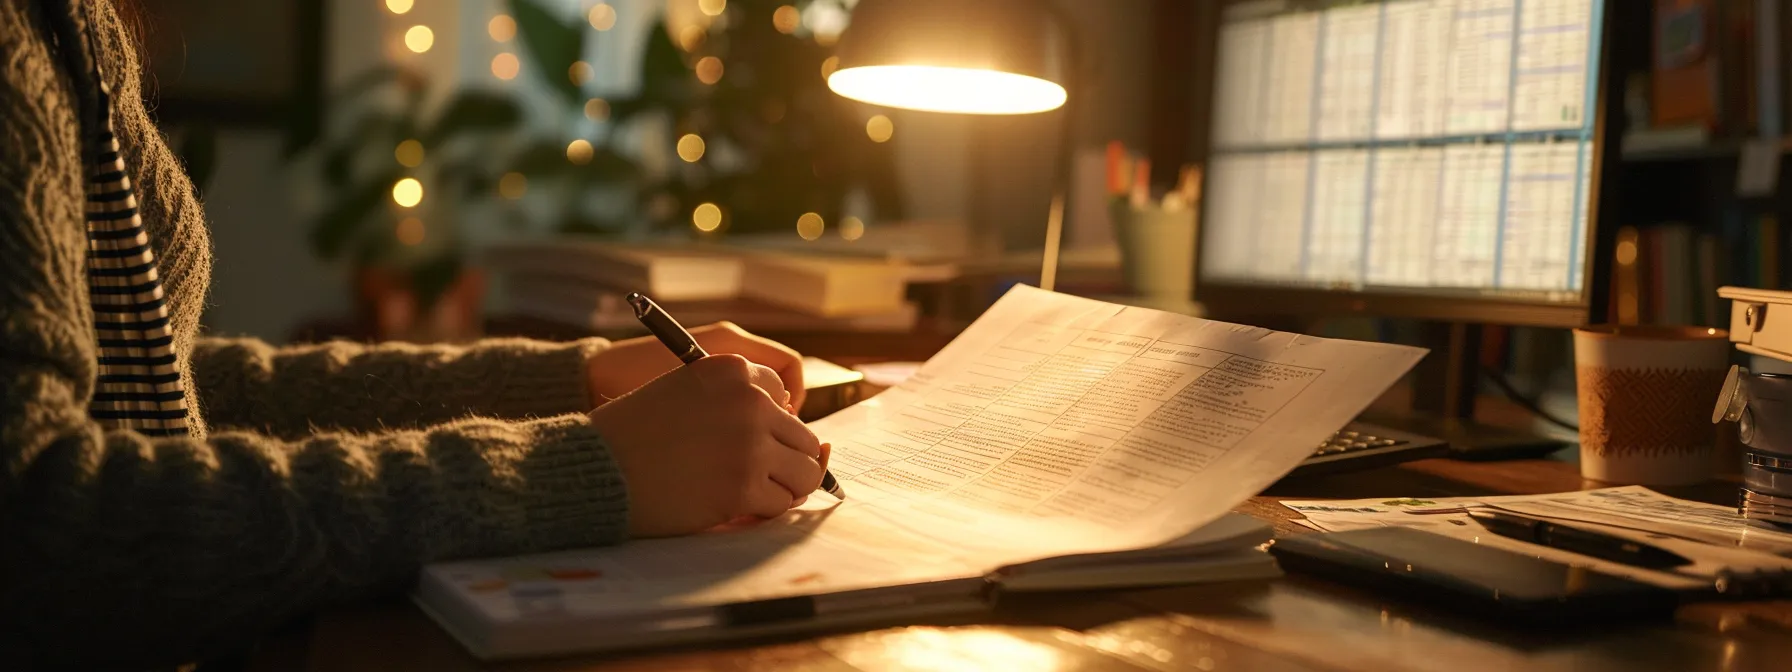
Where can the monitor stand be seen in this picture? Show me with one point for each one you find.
(1443, 401)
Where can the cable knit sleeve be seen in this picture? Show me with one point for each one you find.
(118, 550)
(292, 391)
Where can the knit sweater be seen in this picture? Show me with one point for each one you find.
(313, 475)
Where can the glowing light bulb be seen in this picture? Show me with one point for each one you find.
(502, 28)
(407, 192)
(691, 37)
(879, 128)
(941, 89)
(410, 231)
(709, 70)
(579, 151)
(786, 19)
(597, 109)
(419, 39)
(690, 147)
(810, 226)
(505, 66)
(602, 16)
(707, 217)
(852, 228)
(580, 72)
(409, 153)
(513, 186)
(398, 6)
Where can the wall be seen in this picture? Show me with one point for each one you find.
(1013, 160)
(265, 281)
(994, 172)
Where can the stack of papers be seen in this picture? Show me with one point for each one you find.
(1716, 538)
(1058, 443)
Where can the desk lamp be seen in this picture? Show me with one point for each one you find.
(994, 57)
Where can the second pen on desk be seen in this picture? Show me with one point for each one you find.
(1577, 540)
(682, 345)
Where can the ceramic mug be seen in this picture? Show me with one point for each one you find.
(1157, 249)
(1645, 397)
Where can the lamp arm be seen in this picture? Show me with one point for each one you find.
(1062, 173)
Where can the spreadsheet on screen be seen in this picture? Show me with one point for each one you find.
(1404, 146)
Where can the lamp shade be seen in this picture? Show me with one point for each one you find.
(966, 56)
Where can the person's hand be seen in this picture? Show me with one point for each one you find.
(704, 445)
(629, 364)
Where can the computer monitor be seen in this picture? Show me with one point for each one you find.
(1435, 159)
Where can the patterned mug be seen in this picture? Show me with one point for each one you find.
(1645, 397)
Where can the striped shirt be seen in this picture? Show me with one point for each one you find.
(139, 387)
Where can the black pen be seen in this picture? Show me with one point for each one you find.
(679, 341)
(1576, 540)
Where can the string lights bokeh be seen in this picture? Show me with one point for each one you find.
(879, 128)
(852, 228)
(786, 19)
(513, 185)
(398, 6)
(409, 153)
(502, 28)
(419, 39)
(597, 109)
(690, 147)
(579, 151)
(505, 65)
(709, 70)
(810, 226)
(602, 16)
(707, 217)
(580, 72)
(407, 192)
(410, 231)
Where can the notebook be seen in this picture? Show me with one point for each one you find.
(1057, 443)
(576, 601)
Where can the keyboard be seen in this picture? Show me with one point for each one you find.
(1362, 445)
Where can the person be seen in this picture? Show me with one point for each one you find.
(164, 497)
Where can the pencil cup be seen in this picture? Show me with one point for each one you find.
(1157, 249)
(1645, 397)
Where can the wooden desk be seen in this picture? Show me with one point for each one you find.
(1294, 623)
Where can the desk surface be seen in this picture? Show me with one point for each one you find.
(1292, 623)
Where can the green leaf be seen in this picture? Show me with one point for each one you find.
(336, 227)
(472, 111)
(552, 44)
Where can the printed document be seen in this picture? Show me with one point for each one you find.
(1053, 426)
(1715, 538)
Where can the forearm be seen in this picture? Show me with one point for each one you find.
(291, 391)
(124, 550)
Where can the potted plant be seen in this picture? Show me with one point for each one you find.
(397, 175)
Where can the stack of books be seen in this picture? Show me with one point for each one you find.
(580, 282)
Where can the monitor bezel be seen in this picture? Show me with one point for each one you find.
(1246, 299)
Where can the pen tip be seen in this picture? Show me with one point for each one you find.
(638, 302)
(831, 485)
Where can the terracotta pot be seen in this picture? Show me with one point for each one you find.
(389, 308)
